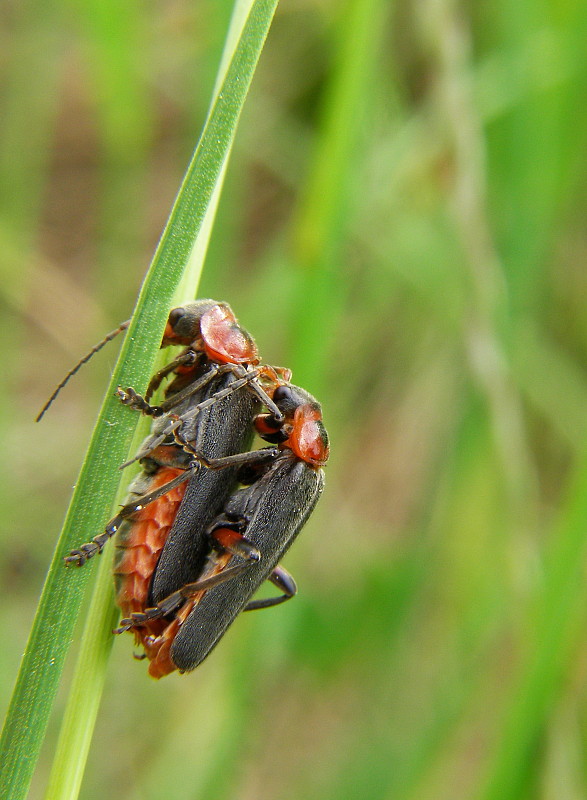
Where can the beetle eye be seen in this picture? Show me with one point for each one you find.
(287, 398)
(175, 315)
(284, 399)
(282, 393)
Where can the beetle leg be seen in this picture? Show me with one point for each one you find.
(257, 389)
(90, 549)
(185, 360)
(244, 377)
(136, 401)
(177, 599)
(224, 539)
(281, 578)
(238, 459)
(154, 441)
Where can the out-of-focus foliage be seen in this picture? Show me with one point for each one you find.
(403, 224)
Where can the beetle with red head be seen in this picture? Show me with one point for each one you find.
(174, 498)
(192, 549)
(210, 406)
(246, 541)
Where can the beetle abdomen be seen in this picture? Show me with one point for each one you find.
(140, 542)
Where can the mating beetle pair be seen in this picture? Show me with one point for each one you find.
(192, 547)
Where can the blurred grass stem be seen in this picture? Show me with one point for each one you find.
(488, 297)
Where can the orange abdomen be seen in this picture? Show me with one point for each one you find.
(139, 545)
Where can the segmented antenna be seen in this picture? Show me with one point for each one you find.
(108, 338)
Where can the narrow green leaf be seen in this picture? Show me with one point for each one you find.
(555, 626)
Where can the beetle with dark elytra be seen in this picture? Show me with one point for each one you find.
(191, 547)
(243, 544)
(210, 404)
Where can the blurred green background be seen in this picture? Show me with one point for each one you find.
(403, 225)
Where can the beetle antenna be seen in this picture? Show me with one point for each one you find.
(108, 338)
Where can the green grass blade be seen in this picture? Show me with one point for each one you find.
(555, 626)
(62, 596)
(86, 689)
(319, 229)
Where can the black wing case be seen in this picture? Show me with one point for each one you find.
(222, 429)
(276, 508)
